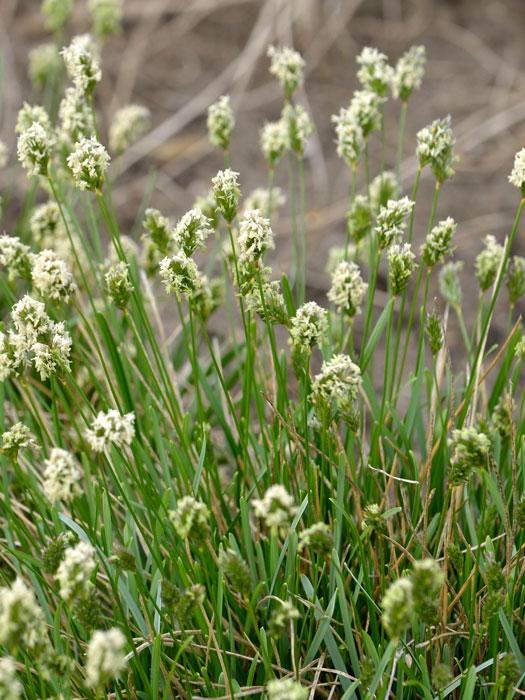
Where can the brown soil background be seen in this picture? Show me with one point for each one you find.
(178, 56)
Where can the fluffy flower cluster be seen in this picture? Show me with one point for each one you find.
(76, 120)
(43, 64)
(435, 147)
(31, 114)
(226, 192)
(74, 572)
(317, 538)
(105, 657)
(61, 476)
(517, 176)
(255, 236)
(15, 257)
(401, 265)
(57, 13)
(276, 508)
(348, 289)
(34, 149)
(298, 127)
(488, 262)
(82, 65)
(22, 622)
(286, 689)
(287, 66)
(129, 124)
(15, 438)
(274, 139)
(109, 429)
(309, 327)
(10, 686)
(437, 244)
(51, 277)
(398, 608)
(364, 111)
(471, 449)
(180, 275)
(391, 220)
(192, 231)
(36, 340)
(190, 520)
(220, 122)
(236, 571)
(106, 17)
(349, 136)
(375, 74)
(118, 285)
(88, 163)
(409, 72)
(336, 384)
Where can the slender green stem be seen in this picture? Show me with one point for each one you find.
(291, 189)
(302, 277)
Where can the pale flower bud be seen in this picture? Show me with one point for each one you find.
(89, 163)
(106, 17)
(111, 428)
(274, 139)
(435, 147)
(409, 72)
(276, 508)
(74, 571)
(309, 327)
(398, 608)
(391, 220)
(517, 176)
(348, 289)
(190, 520)
(34, 149)
(61, 476)
(118, 285)
(449, 284)
(227, 193)
(192, 231)
(105, 657)
(220, 122)
(50, 276)
(401, 265)
(180, 275)
(437, 244)
(287, 66)
(350, 137)
(82, 65)
(488, 262)
(57, 13)
(375, 74)
(129, 124)
(286, 689)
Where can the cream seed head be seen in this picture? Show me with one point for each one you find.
(309, 327)
(180, 275)
(74, 572)
(227, 193)
(449, 284)
(190, 520)
(129, 124)
(34, 148)
(408, 73)
(17, 437)
(274, 141)
(22, 621)
(488, 262)
(471, 450)
(13, 354)
(76, 120)
(51, 277)
(118, 285)
(105, 657)
(391, 220)
(276, 508)
(106, 17)
(435, 147)
(236, 572)
(88, 163)
(192, 231)
(57, 13)
(274, 307)
(220, 122)
(298, 128)
(28, 115)
(286, 689)
(349, 136)
(383, 188)
(374, 74)
(45, 221)
(255, 236)
(348, 289)
(401, 265)
(287, 65)
(365, 110)
(62, 476)
(158, 228)
(10, 686)
(516, 278)
(398, 608)
(337, 384)
(82, 64)
(44, 63)
(437, 244)
(30, 319)
(517, 176)
(317, 538)
(15, 257)
(111, 428)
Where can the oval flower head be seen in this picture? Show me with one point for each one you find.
(111, 429)
(287, 66)
(192, 231)
(22, 621)
(180, 275)
(34, 148)
(255, 236)
(274, 139)
(409, 72)
(82, 65)
(309, 327)
(227, 193)
(348, 289)
(74, 572)
(220, 122)
(276, 508)
(89, 164)
(398, 608)
(286, 689)
(338, 382)
(61, 476)
(50, 276)
(105, 657)
(435, 147)
(517, 176)
(298, 128)
(350, 138)
(375, 74)
(364, 107)
(391, 220)
(129, 124)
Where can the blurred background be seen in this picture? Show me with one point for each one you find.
(178, 56)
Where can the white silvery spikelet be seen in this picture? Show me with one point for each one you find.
(82, 65)
(437, 244)
(12, 358)
(61, 476)
(28, 115)
(391, 220)
(76, 120)
(338, 382)
(15, 257)
(287, 65)
(22, 621)
(129, 124)
(401, 265)
(276, 508)
(255, 236)
(105, 657)
(111, 428)
(106, 17)
(10, 686)
(226, 192)
(34, 148)
(220, 122)
(179, 274)
(274, 139)
(88, 163)
(517, 176)
(190, 519)
(398, 608)
(15, 438)
(350, 136)
(74, 571)
(435, 147)
(309, 327)
(192, 231)
(348, 289)
(409, 72)
(298, 128)
(365, 110)
(30, 319)
(374, 74)
(488, 262)
(50, 276)
(286, 689)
